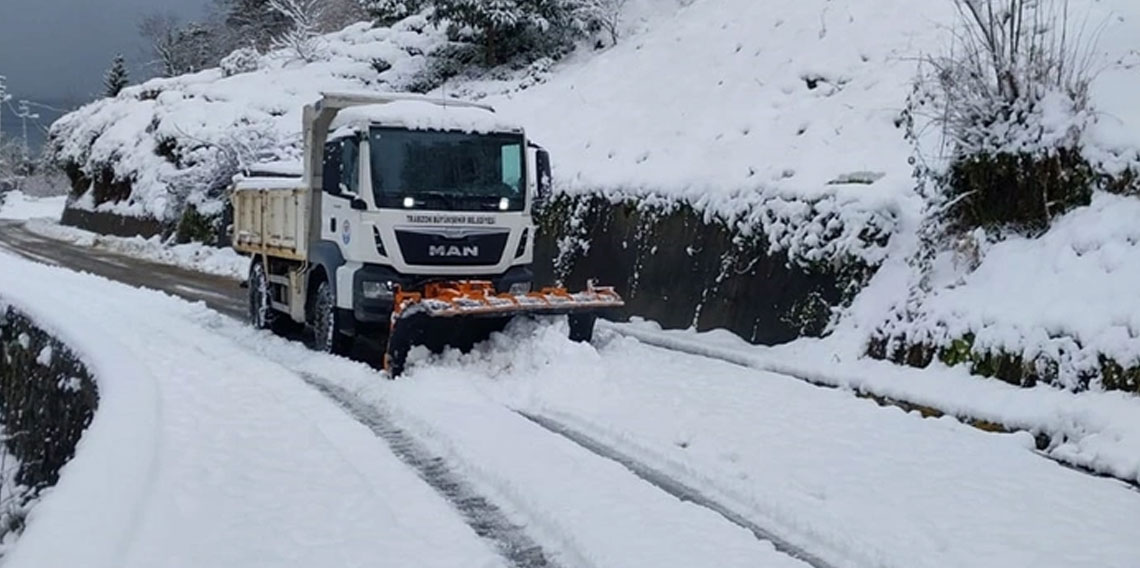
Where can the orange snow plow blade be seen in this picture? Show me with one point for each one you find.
(462, 313)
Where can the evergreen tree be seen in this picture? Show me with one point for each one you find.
(510, 28)
(116, 78)
(387, 12)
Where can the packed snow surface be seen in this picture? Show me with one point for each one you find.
(853, 483)
(203, 453)
(221, 456)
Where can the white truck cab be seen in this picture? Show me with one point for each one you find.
(397, 191)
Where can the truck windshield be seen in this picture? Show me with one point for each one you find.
(452, 171)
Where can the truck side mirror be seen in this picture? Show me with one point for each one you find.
(542, 177)
(359, 204)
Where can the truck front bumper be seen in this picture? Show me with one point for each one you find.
(377, 312)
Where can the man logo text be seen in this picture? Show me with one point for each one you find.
(453, 251)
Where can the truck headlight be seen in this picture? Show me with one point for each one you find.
(520, 288)
(377, 290)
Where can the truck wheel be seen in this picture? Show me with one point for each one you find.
(327, 329)
(582, 327)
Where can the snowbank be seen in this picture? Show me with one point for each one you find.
(1096, 430)
(1068, 297)
(193, 256)
(204, 454)
(17, 205)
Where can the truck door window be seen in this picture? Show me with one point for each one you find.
(350, 164)
(341, 166)
(332, 166)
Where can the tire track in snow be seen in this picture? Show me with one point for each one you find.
(486, 519)
(674, 487)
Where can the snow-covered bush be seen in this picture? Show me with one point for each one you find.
(1058, 309)
(506, 29)
(1010, 100)
(243, 60)
(168, 143)
(386, 12)
(604, 16)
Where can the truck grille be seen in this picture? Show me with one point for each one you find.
(452, 246)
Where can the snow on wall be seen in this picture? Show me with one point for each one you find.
(1068, 297)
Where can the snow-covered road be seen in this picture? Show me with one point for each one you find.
(209, 448)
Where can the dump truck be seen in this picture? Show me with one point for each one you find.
(408, 222)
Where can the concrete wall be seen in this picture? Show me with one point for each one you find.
(47, 400)
(675, 268)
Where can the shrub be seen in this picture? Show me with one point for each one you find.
(1021, 191)
(194, 227)
(509, 29)
(244, 60)
(1011, 104)
(388, 12)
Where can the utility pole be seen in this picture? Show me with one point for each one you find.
(25, 112)
(4, 98)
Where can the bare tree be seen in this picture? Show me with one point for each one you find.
(1008, 55)
(248, 22)
(161, 31)
(304, 18)
(179, 49)
(604, 15)
(339, 14)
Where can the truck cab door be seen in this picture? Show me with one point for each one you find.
(340, 200)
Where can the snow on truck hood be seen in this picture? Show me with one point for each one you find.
(423, 115)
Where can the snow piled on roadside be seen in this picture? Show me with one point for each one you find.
(203, 453)
(18, 205)
(193, 256)
(1068, 297)
(1096, 430)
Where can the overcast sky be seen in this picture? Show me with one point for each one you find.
(58, 50)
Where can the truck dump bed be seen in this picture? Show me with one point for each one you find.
(271, 217)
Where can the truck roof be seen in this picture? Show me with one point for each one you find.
(425, 114)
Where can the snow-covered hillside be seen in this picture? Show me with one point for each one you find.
(779, 118)
(178, 140)
(737, 107)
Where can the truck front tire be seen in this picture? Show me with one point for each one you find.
(328, 331)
